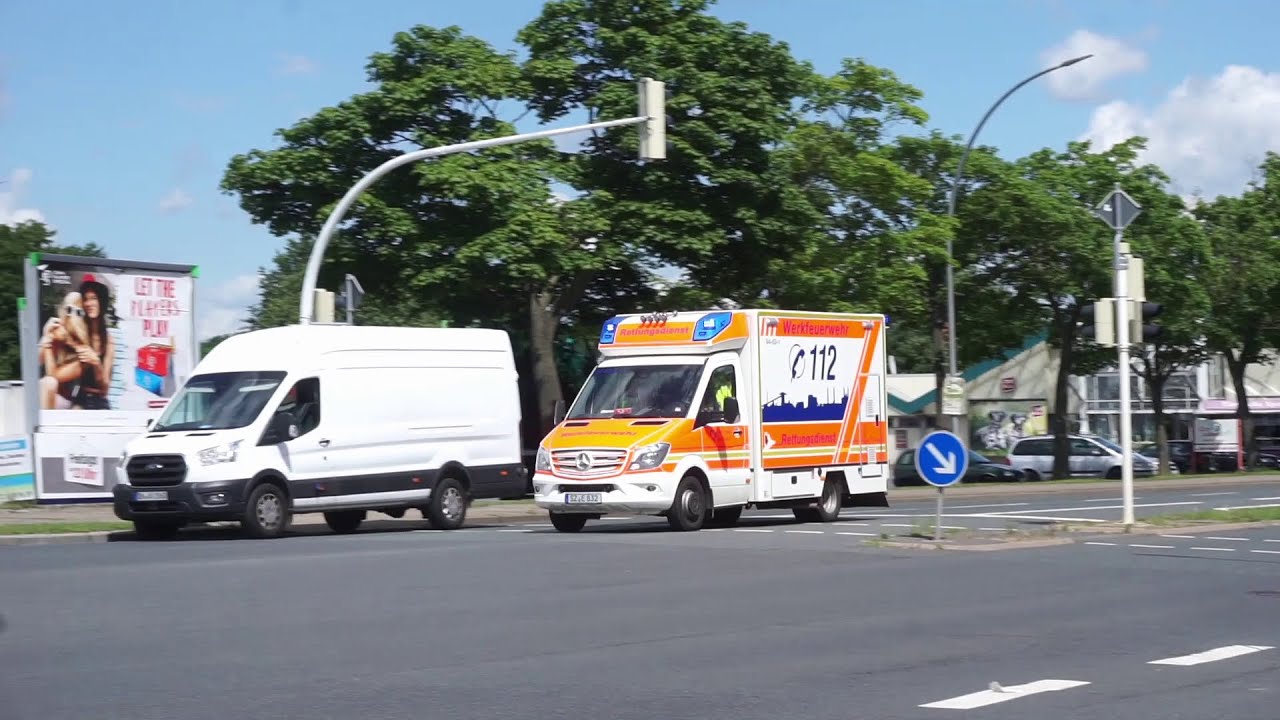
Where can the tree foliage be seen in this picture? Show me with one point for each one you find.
(16, 243)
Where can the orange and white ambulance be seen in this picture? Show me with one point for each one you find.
(697, 415)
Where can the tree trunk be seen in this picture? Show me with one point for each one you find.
(1061, 388)
(1237, 366)
(543, 324)
(1156, 382)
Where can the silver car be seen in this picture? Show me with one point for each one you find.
(1091, 456)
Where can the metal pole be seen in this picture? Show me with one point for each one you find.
(1120, 265)
(937, 520)
(307, 300)
(951, 207)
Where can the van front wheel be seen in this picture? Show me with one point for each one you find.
(567, 523)
(266, 515)
(689, 509)
(447, 509)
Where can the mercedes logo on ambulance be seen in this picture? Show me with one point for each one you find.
(584, 462)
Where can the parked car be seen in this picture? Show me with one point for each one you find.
(981, 469)
(1091, 456)
(1181, 454)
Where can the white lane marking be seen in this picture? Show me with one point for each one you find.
(805, 532)
(1238, 539)
(1093, 508)
(1111, 499)
(1153, 547)
(895, 525)
(1099, 543)
(1263, 499)
(758, 530)
(1266, 552)
(1003, 516)
(1247, 507)
(427, 531)
(1222, 653)
(993, 529)
(1215, 549)
(1212, 494)
(1271, 541)
(866, 534)
(517, 531)
(1180, 537)
(975, 507)
(991, 697)
(852, 524)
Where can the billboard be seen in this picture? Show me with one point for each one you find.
(16, 479)
(106, 343)
(995, 425)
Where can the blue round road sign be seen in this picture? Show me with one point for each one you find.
(941, 459)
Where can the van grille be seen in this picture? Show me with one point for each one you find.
(156, 470)
(590, 462)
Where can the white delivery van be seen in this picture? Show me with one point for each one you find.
(336, 419)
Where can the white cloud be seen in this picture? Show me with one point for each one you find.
(224, 308)
(296, 65)
(1112, 58)
(1208, 134)
(11, 211)
(176, 201)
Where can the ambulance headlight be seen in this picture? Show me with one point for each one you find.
(220, 454)
(543, 463)
(650, 456)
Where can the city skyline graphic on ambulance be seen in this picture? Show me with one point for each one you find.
(779, 410)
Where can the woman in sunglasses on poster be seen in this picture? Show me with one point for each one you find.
(59, 355)
(99, 350)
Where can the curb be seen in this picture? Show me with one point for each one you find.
(105, 536)
(1184, 529)
(988, 547)
(1050, 487)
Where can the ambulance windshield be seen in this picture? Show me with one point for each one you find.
(219, 401)
(637, 391)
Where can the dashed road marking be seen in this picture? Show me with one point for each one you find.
(1214, 655)
(1212, 494)
(1180, 537)
(1101, 543)
(1214, 549)
(753, 530)
(1238, 539)
(998, 694)
(1246, 507)
(990, 529)
(805, 532)
(858, 534)
(1153, 547)
(1266, 552)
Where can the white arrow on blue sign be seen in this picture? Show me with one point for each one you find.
(942, 459)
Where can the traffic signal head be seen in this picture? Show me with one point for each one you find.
(1140, 330)
(1099, 322)
(653, 131)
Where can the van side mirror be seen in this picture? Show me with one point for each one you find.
(151, 422)
(731, 410)
(559, 413)
(282, 428)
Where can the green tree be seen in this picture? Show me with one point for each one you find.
(16, 243)
(1242, 284)
(715, 207)
(1041, 247)
(465, 238)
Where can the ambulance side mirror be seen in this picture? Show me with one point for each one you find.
(731, 410)
(558, 414)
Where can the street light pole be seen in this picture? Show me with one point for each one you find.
(951, 207)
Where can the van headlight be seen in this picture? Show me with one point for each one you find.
(543, 463)
(220, 454)
(650, 456)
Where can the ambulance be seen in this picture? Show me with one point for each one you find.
(696, 416)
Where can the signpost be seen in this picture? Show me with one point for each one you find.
(941, 461)
(953, 396)
(1118, 210)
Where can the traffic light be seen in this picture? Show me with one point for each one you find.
(1099, 321)
(1140, 330)
(653, 132)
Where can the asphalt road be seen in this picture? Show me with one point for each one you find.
(632, 621)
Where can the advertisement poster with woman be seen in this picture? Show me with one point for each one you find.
(119, 342)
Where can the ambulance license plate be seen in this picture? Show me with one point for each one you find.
(151, 495)
(582, 498)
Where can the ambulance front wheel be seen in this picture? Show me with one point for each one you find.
(689, 509)
(568, 523)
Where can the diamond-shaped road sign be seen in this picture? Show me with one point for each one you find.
(1117, 209)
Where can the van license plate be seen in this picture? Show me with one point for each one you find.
(151, 495)
(582, 499)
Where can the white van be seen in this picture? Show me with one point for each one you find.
(335, 419)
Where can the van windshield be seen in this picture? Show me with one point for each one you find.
(637, 391)
(219, 401)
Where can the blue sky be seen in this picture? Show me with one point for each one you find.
(117, 119)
